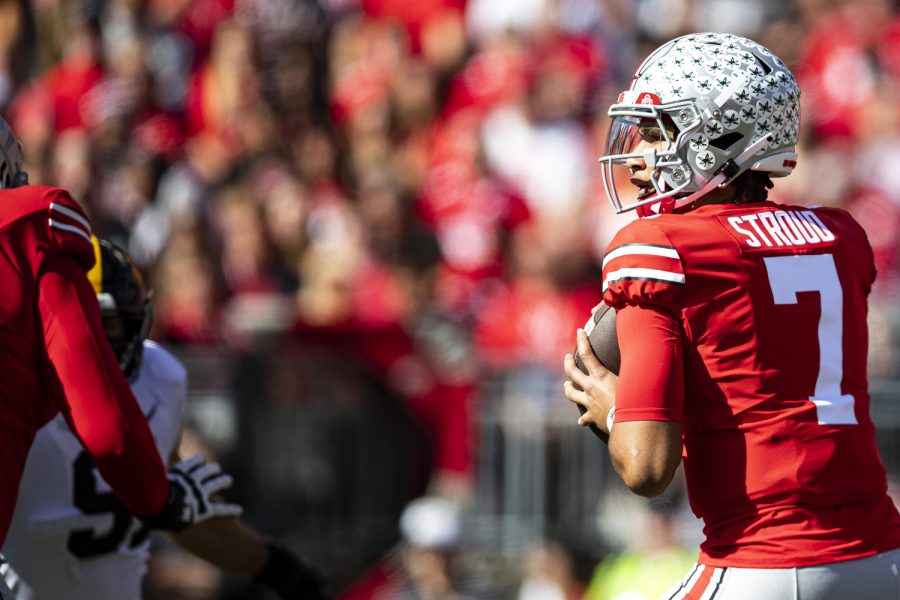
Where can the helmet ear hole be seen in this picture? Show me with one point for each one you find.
(726, 141)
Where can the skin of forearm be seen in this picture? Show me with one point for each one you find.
(229, 544)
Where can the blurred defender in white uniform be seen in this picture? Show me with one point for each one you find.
(71, 537)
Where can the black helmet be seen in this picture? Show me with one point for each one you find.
(124, 303)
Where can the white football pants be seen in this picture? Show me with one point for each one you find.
(872, 578)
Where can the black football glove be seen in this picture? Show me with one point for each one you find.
(289, 577)
(192, 483)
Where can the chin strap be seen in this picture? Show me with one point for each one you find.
(664, 206)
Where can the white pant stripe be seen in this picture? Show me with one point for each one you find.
(689, 582)
(714, 584)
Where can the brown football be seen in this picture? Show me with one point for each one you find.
(601, 332)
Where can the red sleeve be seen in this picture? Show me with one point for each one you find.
(86, 381)
(651, 377)
(68, 230)
(642, 266)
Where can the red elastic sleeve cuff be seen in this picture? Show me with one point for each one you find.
(651, 376)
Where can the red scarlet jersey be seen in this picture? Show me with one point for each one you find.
(53, 354)
(779, 449)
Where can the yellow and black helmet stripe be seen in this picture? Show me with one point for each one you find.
(95, 275)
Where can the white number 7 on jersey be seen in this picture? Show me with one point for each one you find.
(817, 273)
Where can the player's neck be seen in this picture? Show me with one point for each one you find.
(725, 195)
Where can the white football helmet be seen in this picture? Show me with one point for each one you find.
(11, 162)
(723, 103)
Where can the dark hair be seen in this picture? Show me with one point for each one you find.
(752, 186)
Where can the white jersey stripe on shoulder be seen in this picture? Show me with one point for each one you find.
(645, 249)
(644, 274)
(70, 228)
(72, 214)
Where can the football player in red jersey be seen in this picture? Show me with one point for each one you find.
(742, 331)
(55, 358)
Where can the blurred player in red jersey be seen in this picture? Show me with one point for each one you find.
(55, 358)
(742, 326)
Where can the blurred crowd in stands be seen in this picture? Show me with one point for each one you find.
(419, 174)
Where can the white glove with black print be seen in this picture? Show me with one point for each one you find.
(192, 484)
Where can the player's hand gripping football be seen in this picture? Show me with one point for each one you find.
(594, 391)
(192, 484)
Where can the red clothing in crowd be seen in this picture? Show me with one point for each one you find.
(840, 49)
(414, 14)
